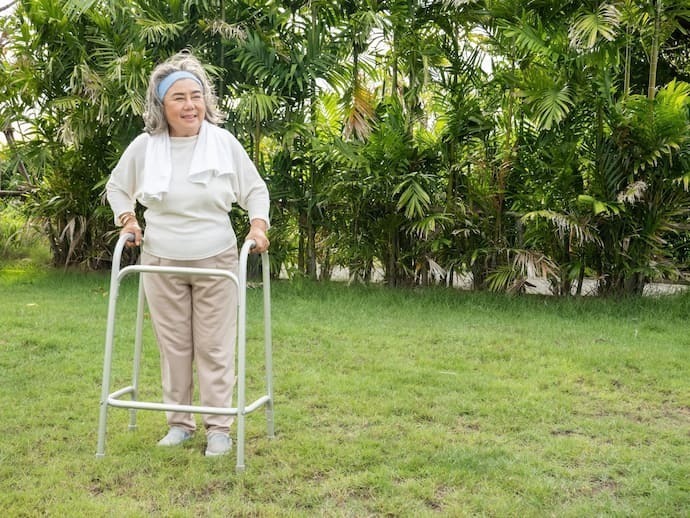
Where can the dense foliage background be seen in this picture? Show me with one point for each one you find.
(425, 140)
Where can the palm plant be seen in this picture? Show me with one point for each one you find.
(525, 44)
(649, 145)
(280, 68)
(384, 141)
(588, 221)
(65, 134)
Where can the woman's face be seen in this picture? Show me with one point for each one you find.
(184, 108)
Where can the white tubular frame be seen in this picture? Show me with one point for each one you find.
(242, 409)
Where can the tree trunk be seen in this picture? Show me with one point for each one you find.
(654, 52)
(628, 64)
(392, 269)
(311, 250)
(580, 277)
(10, 194)
(301, 247)
(257, 143)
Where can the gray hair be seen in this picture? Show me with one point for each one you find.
(154, 114)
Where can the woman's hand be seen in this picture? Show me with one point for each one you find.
(130, 226)
(257, 233)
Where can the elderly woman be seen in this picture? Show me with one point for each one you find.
(187, 172)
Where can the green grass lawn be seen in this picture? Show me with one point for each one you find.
(388, 403)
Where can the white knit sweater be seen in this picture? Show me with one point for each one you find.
(191, 219)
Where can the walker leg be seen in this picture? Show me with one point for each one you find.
(241, 352)
(102, 423)
(107, 364)
(270, 430)
(268, 343)
(239, 468)
(137, 352)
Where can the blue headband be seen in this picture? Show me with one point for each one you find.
(168, 81)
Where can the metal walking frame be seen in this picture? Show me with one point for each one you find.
(242, 409)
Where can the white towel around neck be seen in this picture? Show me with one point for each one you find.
(211, 158)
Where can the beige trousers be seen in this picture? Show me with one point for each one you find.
(195, 323)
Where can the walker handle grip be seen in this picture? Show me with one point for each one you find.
(124, 238)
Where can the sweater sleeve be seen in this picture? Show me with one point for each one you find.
(252, 192)
(121, 186)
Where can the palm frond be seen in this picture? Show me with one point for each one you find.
(523, 264)
(159, 30)
(230, 31)
(330, 114)
(414, 200)
(591, 27)
(459, 3)
(359, 116)
(633, 192)
(256, 105)
(549, 98)
(430, 224)
(76, 8)
(552, 106)
(534, 264)
(529, 38)
(581, 231)
(598, 206)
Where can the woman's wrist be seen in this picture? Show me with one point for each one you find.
(258, 224)
(128, 218)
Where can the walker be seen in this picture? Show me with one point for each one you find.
(242, 409)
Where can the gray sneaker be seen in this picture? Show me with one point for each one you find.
(175, 437)
(219, 443)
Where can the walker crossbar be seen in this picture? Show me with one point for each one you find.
(242, 409)
(115, 401)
